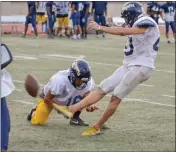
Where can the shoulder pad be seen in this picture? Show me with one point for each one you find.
(145, 23)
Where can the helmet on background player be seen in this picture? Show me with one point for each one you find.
(131, 11)
(79, 74)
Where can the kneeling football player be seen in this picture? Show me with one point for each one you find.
(66, 87)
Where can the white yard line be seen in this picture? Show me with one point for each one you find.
(168, 54)
(125, 99)
(24, 57)
(66, 56)
(24, 102)
(108, 49)
(145, 101)
(70, 58)
(146, 85)
(18, 81)
(165, 95)
(167, 71)
(18, 90)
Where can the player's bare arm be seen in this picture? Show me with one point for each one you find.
(117, 30)
(90, 108)
(48, 97)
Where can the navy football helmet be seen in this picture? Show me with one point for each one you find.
(79, 71)
(131, 12)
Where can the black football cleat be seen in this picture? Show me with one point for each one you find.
(78, 122)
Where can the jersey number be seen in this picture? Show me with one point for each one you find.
(156, 45)
(171, 9)
(75, 100)
(131, 47)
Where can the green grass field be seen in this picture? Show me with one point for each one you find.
(145, 121)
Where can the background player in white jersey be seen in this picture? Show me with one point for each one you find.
(62, 17)
(139, 56)
(41, 17)
(169, 9)
(66, 87)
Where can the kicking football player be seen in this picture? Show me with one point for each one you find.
(66, 87)
(99, 9)
(153, 10)
(139, 56)
(169, 9)
(51, 18)
(62, 17)
(41, 9)
(31, 18)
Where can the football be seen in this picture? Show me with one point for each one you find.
(31, 85)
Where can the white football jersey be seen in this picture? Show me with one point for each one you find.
(63, 7)
(7, 85)
(66, 93)
(142, 49)
(80, 6)
(42, 7)
(170, 16)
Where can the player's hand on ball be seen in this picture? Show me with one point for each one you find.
(93, 25)
(91, 108)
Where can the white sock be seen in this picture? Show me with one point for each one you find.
(79, 36)
(44, 28)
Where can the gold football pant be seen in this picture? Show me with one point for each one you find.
(42, 112)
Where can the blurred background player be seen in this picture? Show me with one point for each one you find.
(31, 18)
(84, 18)
(41, 17)
(169, 9)
(99, 10)
(154, 11)
(50, 8)
(66, 87)
(62, 17)
(75, 17)
(7, 88)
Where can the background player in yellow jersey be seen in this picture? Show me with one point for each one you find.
(62, 17)
(41, 17)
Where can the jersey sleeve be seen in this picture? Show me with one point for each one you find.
(91, 84)
(145, 23)
(56, 86)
